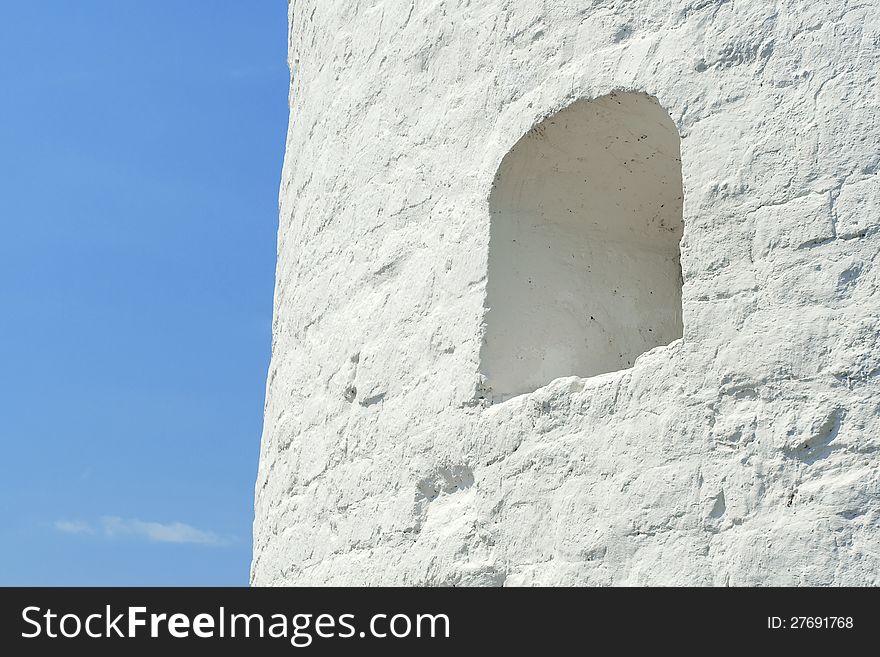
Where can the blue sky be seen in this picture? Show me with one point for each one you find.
(141, 152)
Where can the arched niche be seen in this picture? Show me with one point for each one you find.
(586, 220)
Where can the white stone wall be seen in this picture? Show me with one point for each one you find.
(745, 453)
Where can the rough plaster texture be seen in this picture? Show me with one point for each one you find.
(744, 453)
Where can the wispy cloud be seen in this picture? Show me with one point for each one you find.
(175, 532)
(73, 527)
(114, 526)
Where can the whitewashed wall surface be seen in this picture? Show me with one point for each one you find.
(576, 293)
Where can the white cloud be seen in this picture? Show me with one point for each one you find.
(73, 527)
(175, 532)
